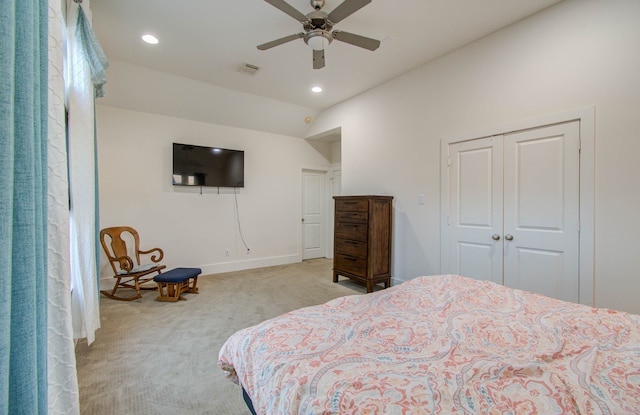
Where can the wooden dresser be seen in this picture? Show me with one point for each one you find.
(362, 239)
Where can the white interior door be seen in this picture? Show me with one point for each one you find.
(475, 217)
(541, 210)
(313, 214)
(514, 210)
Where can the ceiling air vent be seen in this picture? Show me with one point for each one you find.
(249, 68)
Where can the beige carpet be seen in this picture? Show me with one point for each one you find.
(156, 358)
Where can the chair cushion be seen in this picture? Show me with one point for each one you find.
(177, 275)
(138, 268)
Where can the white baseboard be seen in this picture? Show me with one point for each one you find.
(396, 281)
(107, 283)
(242, 265)
(249, 264)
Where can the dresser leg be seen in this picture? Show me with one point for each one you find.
(370, 285)
(387, 283)
(335, 277)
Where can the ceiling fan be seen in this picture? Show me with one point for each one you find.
(317, 27)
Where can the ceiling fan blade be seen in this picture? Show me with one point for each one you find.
(318, 59)
(346, 9)
(280, 41)
(288, 9)
(356, 40)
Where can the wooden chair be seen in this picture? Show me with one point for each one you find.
(128, 271)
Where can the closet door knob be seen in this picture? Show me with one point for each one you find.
(495, 237)
(508, 237)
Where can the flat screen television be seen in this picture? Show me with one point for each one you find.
(207, 166)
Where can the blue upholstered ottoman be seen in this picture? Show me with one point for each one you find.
(172, 284)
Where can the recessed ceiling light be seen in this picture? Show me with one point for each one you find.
(151, 39)
(316, 89)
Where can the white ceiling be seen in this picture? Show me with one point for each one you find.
(209, 40)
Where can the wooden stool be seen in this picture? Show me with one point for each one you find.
(173, 283)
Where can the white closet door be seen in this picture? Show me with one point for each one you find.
(541, 210)
(475, 214)
(514, 210)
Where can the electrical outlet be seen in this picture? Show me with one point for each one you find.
(227, 252)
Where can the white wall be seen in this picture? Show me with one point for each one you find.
(576, 54)
(193, 229)
(142, 89)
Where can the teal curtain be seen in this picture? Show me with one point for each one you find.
(23, 195)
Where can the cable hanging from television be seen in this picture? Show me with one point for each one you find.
(235, 197)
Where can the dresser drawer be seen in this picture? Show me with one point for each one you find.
(352, 231)
(352, 216)
(352, 205)
(349, 264)
(355, 249)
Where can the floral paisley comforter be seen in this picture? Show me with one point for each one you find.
(440, 345)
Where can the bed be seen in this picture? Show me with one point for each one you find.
(440, 345)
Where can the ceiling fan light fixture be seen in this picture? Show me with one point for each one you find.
(318, 39)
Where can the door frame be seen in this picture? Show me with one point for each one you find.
(331, 214)
(586, 118)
